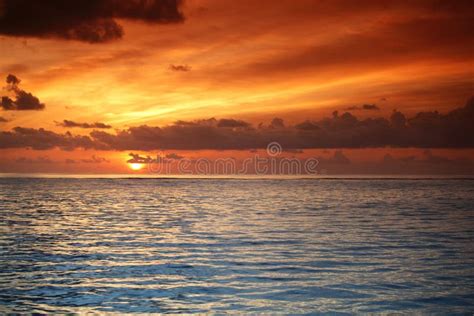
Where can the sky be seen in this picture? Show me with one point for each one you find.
(364, 87)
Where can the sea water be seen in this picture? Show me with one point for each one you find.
(275, 246)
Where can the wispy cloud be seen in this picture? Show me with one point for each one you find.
(183, 68)
(69, 123)
(364, 107)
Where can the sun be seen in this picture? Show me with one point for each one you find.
(136, 166)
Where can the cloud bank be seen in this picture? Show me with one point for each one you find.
(424, 130)
(41, 139)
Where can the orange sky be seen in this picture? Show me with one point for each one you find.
(245, 60)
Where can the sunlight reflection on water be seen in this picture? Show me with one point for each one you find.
(184, 245)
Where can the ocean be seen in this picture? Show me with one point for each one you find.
(251, 246)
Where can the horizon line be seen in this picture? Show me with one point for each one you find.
(237, 177)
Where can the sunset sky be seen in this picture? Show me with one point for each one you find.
(85, 85)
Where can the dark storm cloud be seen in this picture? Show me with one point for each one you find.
(367, 107)
(423, 130)
(23, 100)
(68, 123)
(184, 68)
(91, 21)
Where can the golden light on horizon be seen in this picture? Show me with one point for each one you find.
(136, 166)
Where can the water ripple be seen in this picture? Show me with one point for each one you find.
(249, 246)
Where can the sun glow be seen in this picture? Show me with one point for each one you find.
(135, 166)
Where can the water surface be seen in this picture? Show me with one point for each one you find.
(235, 245)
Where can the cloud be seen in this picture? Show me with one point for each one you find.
(68, 123)
(40, 159)
(307, 126)
(412, 30)
(3, 120)
(13, 80)
(428, 157)
(41, 139)
(87, 21)
(423, 130)
(95, 159)
(389, 159)
(232, 123)
(277, 123)
(23, 100)
(293, 150)
(184, 68)
(14, 67)
(136, 158)
(368, 107)
(46, 160)
(174, 156)
(337, 158)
